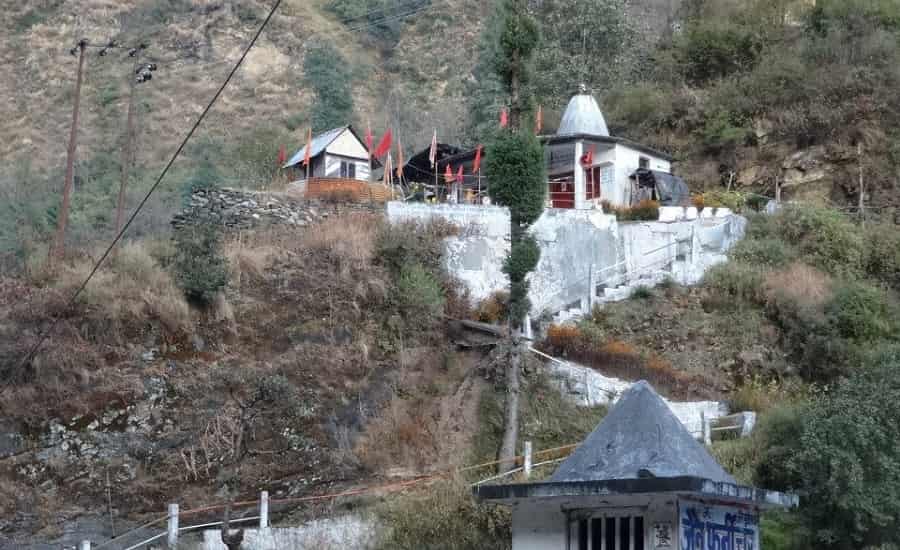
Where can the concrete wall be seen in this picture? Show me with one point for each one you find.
(578, 246)
(339, 532)
(586, 387)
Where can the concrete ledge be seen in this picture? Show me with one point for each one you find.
(681, 486)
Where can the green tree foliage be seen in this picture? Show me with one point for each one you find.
(326, 72)
(383, 19)
(848, 461)
(710, 49)
(581, 42)
(514, 164)
(199, 266)
(419, 296)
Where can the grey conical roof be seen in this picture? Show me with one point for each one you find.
(639, 438)
(583, 116)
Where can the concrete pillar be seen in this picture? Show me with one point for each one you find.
(85, 545)
(707, 429)
(264, 510)
(527, 464)
(580, 188)
(172, 527)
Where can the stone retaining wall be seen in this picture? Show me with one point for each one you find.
(238, 209)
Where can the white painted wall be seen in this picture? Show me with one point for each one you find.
(575, 244)
(347, 145)
(333, 167)
(586, 387)
(339, 532)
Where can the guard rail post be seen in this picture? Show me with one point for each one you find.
(172, 527)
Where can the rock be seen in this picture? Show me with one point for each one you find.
(198, 343)
(12, 441)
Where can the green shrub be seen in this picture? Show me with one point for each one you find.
(735, 281)
(419, 296)
(848, 461)
(199, 266)
(775, 439)
(766, 252)
(398, 245)
(826, 237)
(642, 292)
(720, 133)
(444, 516)
(882, 258)
(861, 312)
(711, 49)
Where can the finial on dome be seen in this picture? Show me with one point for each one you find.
(582, 88)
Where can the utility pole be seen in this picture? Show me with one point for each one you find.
(140, 73)
(862, 194)
(58, 248)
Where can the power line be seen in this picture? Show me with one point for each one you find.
(162, 175)
(43, 337)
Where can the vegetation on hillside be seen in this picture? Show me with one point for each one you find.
(800, 325)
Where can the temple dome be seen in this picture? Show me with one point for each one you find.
(583, 116)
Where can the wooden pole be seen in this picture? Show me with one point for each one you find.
(862, 194)
(59, 242)
(127, 154)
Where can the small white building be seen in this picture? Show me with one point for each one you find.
(337, 153)
(586, 165)
(639, 481)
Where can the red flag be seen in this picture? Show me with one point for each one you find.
(282, 156)
(587, 159)
(306, 154)
(504, 118)
(432, 154)
(384, 145)
(459, 174)
(448, 173)
(369, 139)
(539, 120)
(476, 166)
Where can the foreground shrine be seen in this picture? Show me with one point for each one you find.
(638, 481)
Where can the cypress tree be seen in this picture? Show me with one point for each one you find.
(514, 166)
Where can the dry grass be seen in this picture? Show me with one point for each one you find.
(127, 291)
(618, 358)
(800, 283)
(351, 238)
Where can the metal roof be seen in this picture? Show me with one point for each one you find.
(319, 143)
(583, 116)
(640, 438)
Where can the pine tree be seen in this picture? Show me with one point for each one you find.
(326, 72)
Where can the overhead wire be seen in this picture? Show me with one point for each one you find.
(153, 188)
(45, 334)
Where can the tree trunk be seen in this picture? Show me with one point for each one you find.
(511, 427)
(515, 108)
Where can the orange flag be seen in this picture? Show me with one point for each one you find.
(459, 174)
(504, 118)
(306, 155)
(476, 166)
(448, 173)
(539, 120)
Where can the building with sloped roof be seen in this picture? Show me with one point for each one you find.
(639, 481)
(337, 153)
(586, 165)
